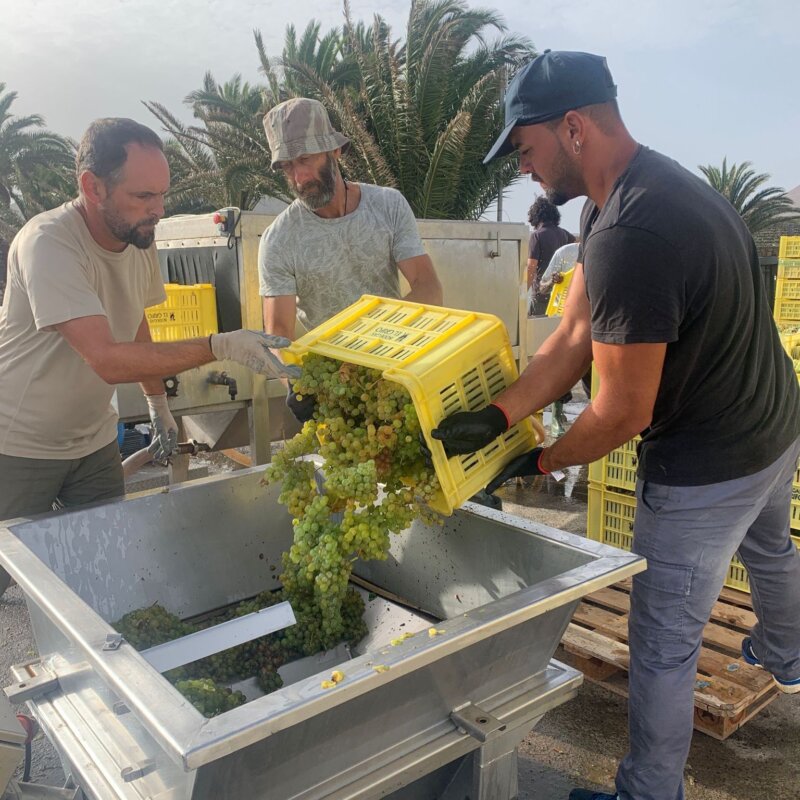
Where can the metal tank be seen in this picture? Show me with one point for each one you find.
(440, 718)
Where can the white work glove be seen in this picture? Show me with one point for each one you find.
(165, 429)
(252, 350)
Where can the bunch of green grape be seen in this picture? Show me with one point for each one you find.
(208, 697)
(376, 482)
(148, 627)
(201, 681)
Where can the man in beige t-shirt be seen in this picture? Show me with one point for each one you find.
(72, 325)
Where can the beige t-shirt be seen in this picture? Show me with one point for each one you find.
(53, 404)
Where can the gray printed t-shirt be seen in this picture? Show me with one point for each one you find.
(329, 263)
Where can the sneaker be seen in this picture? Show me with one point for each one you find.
(749, 655)
(588, 794)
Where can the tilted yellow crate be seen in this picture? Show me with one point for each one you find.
(448, 360)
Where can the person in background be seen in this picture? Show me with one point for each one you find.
(338, 240)
(546, 237)
(668, 302)
(73, 324)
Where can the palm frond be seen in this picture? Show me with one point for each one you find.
(420, 110)
(759, 206)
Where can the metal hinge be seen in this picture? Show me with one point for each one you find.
(33, 680)
(113, 641)
(141, 769)
(476, 722)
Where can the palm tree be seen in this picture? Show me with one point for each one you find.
(420, 113)
(759, 207)
(36, 167)
(224, 161)
(424, 112)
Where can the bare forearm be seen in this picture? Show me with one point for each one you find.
(280, 319)
(553, 371)
(532, 263)
(153, 386)
(428, 292)
(281, 328)
(629, 379)
(149, 362)
(590, 437)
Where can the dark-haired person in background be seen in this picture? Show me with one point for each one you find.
(73, 324)
(545, 239)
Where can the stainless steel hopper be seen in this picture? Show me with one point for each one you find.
(440, 718)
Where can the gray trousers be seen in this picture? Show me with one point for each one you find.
(689, 535)
(37, 485)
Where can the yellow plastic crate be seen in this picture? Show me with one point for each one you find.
(737, 574)
(188, 313)
(789, 247)
(789, 268)
(610, 517)
(787, 289)
(617, 470)
(791, 343)
(610, 521)
(787, 310)
(795, 520)
(558, 297)
(448, 360)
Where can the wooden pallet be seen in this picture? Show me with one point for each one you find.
(728, 691)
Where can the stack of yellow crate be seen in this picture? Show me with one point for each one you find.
(787, 290)
(612, 504)
(787, 318)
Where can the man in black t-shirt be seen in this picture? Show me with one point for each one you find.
(667, 302)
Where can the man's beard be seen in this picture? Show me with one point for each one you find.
(140, 235)
(566, 183)
(316, 194)
(556, 197)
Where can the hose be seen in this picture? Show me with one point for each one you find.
(133, 463)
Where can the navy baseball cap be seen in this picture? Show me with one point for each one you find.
(553, 83)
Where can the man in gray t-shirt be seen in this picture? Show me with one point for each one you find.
(337, 240)
(328, 263)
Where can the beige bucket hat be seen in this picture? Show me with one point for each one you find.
(298, 127)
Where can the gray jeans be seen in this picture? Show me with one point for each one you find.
(689, 535)
(35, 485)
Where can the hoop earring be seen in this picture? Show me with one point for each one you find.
(576, 147)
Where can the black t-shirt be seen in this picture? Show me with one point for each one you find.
(668, 259)
(544, 241)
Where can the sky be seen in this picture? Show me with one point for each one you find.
(697, 79)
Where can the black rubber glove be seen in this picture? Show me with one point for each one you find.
(483, 498)
(468, 431)
(521, 467)
(303, 409)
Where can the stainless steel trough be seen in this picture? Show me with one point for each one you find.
(442, 722)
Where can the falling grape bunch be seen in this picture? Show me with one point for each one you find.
(376, 482)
